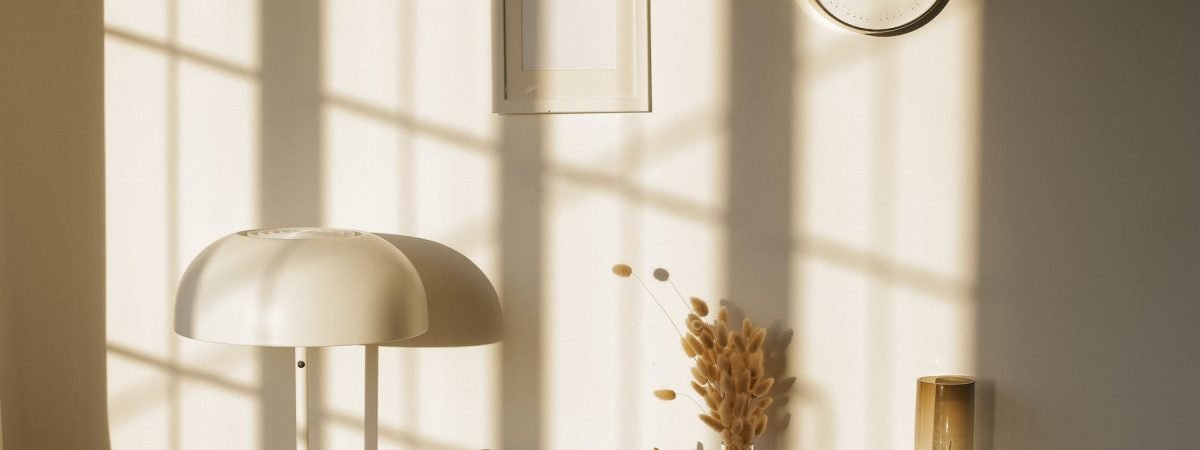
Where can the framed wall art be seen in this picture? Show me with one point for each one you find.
(572, 56)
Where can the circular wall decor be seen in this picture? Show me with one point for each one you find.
(879, 17)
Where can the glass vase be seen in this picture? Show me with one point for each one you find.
(945, 413)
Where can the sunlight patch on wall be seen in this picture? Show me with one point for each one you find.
(885, 227)
(226, 30)
(137, 281)
(685, 171)
(451, 76)
(137, 191)
(138, 410)
(342, 388)
(140, 17)
(213, 416)
(361, 51)
(218, 165)
(455, 193)
(218, 190)
(366, 175)
(181, 170)
(583, 369)
(937, 126)
(445, 392)
(587, 141)
(832, 350)
(834, 176)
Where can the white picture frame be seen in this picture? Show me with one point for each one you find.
(572, 73)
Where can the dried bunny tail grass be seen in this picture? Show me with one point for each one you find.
(747, 326)
(707, 341)
(756, 340)
(712, 423)
(761, 426)
(694, 324)
(743, 382)
(699, 376)
(696, 346)
(723, 314)
(726, 411)
(699, 307)
(622, 270)
(700, 389)
(763, 404)
(687, 347)
(739, 342)
(736, 364)
(665, 394)
(723, 364)
(749, 430)
(725, 384)
(756, 369)
(710, 371)
(738, 426)
(712, 399)
(762, 386)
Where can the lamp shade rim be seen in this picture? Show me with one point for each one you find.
(300, 287)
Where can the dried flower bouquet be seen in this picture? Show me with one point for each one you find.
(728, 370)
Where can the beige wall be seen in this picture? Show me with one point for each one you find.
(1090, 224)
(52, 237)
(822, 181)
(882, 202)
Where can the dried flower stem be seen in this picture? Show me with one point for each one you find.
(693, 399)
(686, 306)
(660, 306)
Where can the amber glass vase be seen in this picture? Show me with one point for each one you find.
(945, 413)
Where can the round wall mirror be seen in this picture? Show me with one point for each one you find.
(879, 17)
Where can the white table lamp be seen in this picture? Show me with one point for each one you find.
(301, 287)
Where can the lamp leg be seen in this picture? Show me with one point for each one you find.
(302, 430)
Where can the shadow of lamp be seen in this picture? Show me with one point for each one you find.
(300, 288)
(464, 309)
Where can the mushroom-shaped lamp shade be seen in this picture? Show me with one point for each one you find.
(300, 287)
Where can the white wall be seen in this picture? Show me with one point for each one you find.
(822, 181)
(826, 183)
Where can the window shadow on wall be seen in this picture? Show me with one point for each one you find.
(289, 186)
(521, 266)
(1089, 225)
(760, 196)
(52, 226)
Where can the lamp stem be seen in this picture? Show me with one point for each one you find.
(302, 429)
